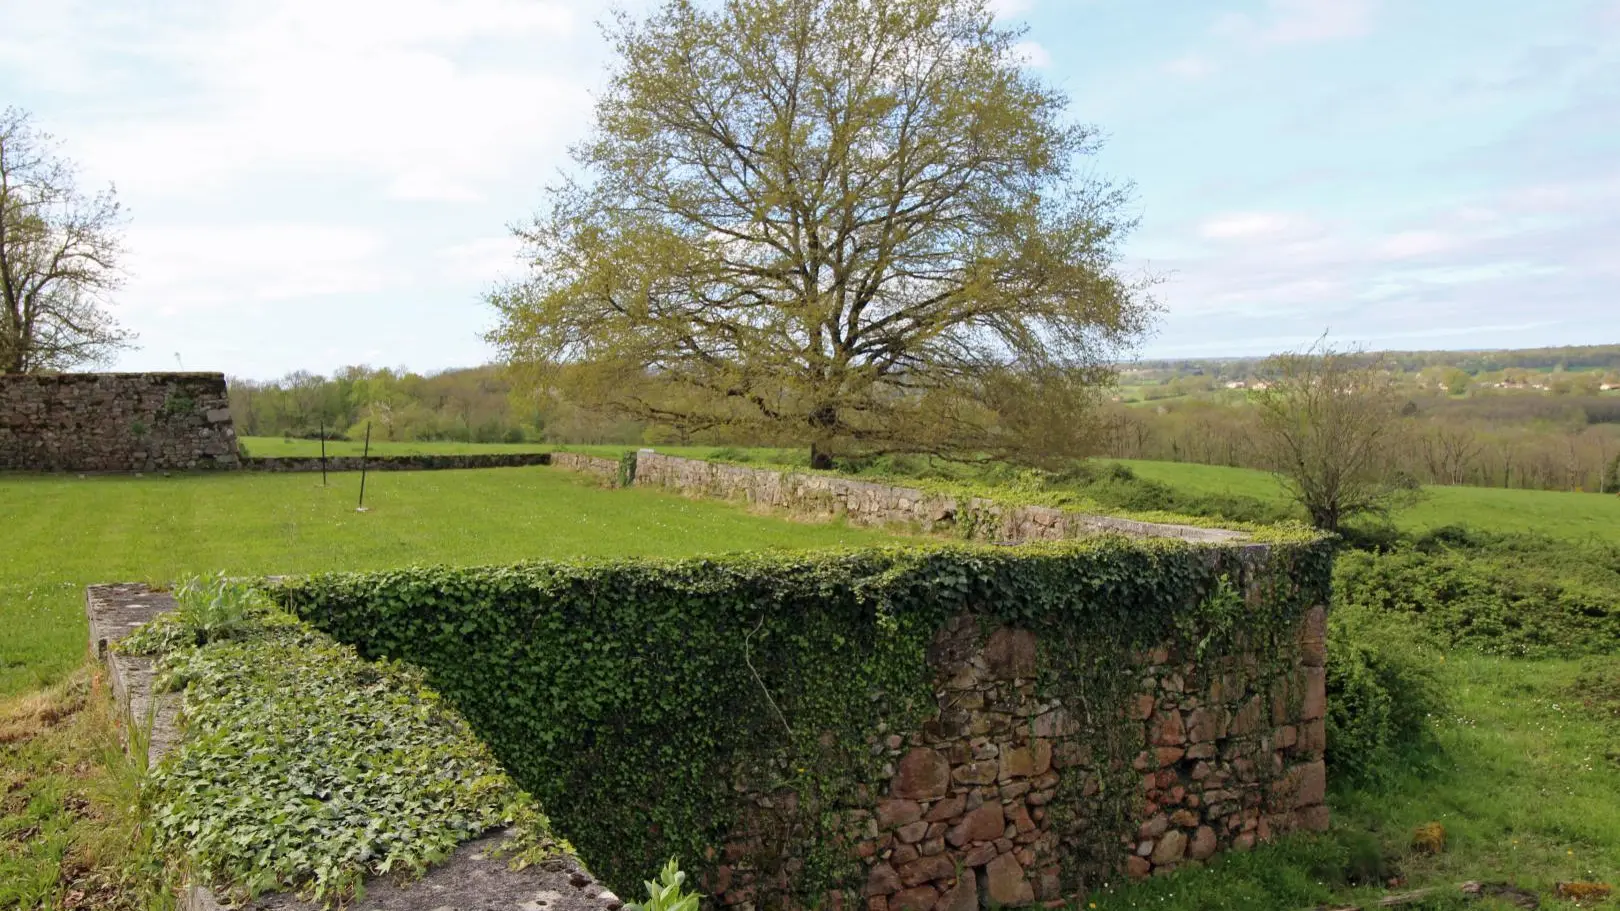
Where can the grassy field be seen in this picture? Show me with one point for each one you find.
(263, 447)
(60, 533)
(1577, 516)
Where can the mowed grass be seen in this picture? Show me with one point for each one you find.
(60, 533)
(1572, 516)
(268, 447)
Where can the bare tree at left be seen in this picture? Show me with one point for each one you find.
(59, 252)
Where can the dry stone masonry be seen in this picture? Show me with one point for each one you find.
(1221, 754)
(115, 422)
(868, 503)
(605, 470)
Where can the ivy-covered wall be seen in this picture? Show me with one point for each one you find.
(918, 728)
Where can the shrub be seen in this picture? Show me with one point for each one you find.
(1506, 595)
(1381, 689)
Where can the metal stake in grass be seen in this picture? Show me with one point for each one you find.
(366, 452)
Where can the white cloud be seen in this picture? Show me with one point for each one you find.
(1191, 66)
(1301, 21)
(1249, 225)
(485, 259)
(193, 268)
(416, 95)
(1032, 54)
(1411, 244)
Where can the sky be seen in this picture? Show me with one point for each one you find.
(316, 183)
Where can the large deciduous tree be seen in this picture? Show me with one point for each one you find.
(857, 223)
(59, 254)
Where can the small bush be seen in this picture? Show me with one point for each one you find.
(1381, 689)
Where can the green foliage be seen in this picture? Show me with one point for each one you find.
(208, 609)
(666, 893)
(627, 468)
(1383, 692)
(178, 405)
(629, 697)
(305, 767)
(1510, 595)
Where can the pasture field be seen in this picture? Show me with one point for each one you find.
(1557, 514)
(60, 533)
(287, 447)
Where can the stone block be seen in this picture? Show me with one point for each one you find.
(1170, 848)
(920, 898)
(1005, 883)
(1010, 653)
(984, 824)
(923, 775)
(927, 869)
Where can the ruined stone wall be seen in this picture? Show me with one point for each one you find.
(868, 503)
(606, 470)
(115, 422)
(997, 792)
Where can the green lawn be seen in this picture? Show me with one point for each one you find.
(1577, 516)
(287, 448)
(60, 533)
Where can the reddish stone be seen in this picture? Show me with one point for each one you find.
(1243, 843)
(976, 772)
(1144, 761)
(1010, 653)
(866, 848)
(1026, 858)
(1043, 757)
(1201, 771)
(979, 855)
(921, 898)
(1005, 882)
(904, 854)
(913, 833)
(893, 813)
(983, 824)
(1048, 884)
(1312, 737)
(964, 896)
(1247, 720)
(1157, 825)
(1205, 725)
(927, 869)
(1203, 844)
(1201, 751)
(1313, 638)
(1312, 819)
(1307, 783)
(937, 830)
(1167, 730)
(923, 775)
(1286, 736)
(877, 903)
(722, 880)
(1017, 762)
(947, 809)
(1142, 710)
(1315, 703)
(1170, 848)
(1019, 817)
(932, 846)
(1185, 818)
(1138, 867)
(1168, 756)
(882, 880)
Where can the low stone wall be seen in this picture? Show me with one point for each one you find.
(868, 503)
(398, 463)
(115, 422)
(606, 470)
(477, 874)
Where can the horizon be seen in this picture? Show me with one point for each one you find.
(313, 185)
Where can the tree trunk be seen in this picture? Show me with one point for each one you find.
(823, 423)
(820, 457)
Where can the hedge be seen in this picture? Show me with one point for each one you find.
(632, 697)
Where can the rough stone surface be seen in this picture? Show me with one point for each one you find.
(604, 470)
(867, 503)
(116, 422)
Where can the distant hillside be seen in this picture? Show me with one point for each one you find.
(1575, 357)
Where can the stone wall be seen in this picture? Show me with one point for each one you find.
(868, 503)
(398, 463)
(980, 810)
(606, 470)
(115, 422)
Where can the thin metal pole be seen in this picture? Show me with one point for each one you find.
(323, 453)
(364, 454)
